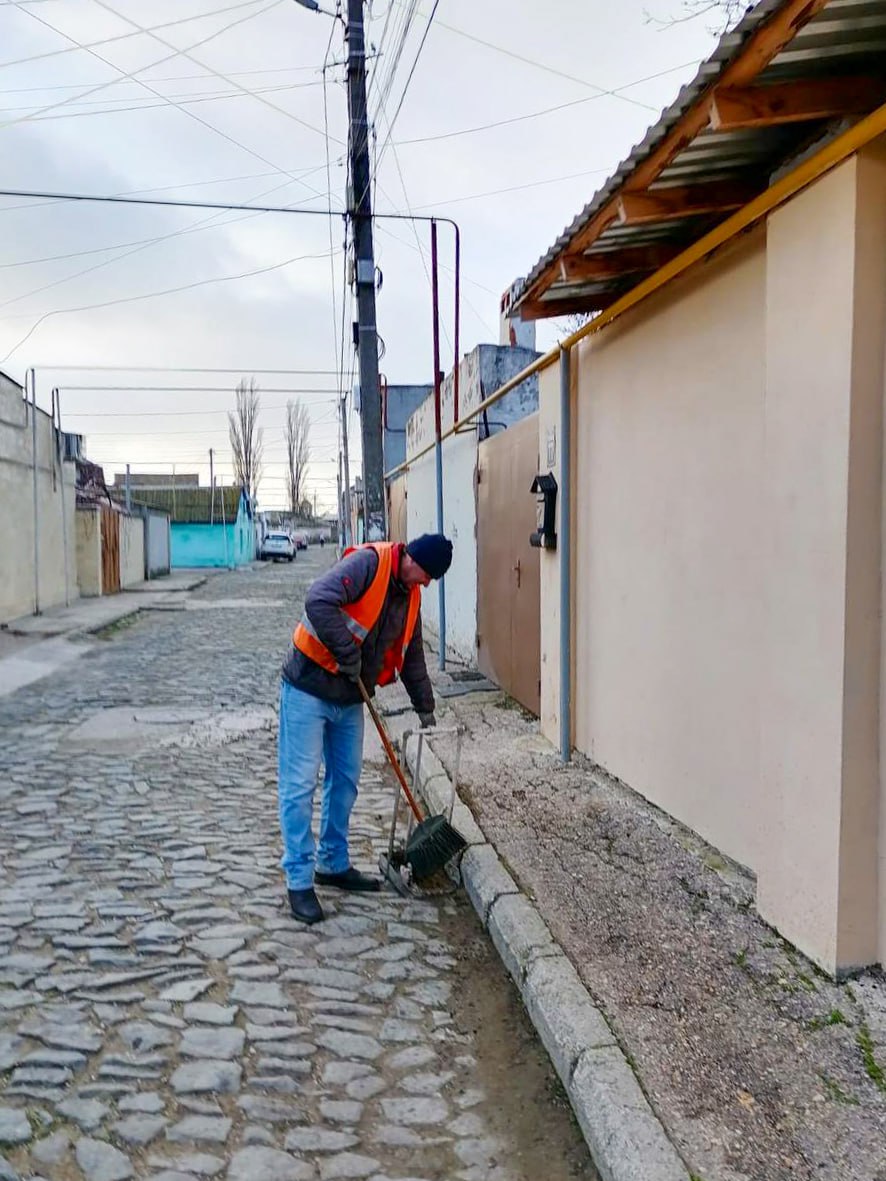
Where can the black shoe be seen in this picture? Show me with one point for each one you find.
(305, 907)
(351, 879)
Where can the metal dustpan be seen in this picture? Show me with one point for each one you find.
(393, 862)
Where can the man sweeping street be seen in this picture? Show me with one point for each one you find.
(362, 622)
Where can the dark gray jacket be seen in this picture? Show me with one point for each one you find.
(346, 582)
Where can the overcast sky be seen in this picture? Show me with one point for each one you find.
(224, 101)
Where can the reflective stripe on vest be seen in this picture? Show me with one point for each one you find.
(361, 617)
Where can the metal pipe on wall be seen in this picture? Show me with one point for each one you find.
(565, 532)
(438, 431)
(456, 327)
(31, 379)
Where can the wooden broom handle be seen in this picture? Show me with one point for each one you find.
(390, 752)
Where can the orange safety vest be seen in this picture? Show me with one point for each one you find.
(362, 616)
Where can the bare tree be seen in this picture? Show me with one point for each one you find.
(298, 451)
(573, 322)
(725, 13)
(247, 438)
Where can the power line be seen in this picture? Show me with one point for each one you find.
(172, 188)
(539, 65)
(123, 73)
(155, 294)
(535, 184)
(403, 94)
(176, 53)
(202, 223)
(194, 229)
(75, 47)
(179, 369)
(577, 102)
(215, 73)
(167, 78)
(168, 100)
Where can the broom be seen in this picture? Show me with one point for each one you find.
(434, 842)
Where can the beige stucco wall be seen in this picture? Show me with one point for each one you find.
(820, 733)
(55, 512)
(89, 551)
(132, 550)
(728, 542)
(668, 434)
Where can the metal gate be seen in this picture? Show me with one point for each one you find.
(508, 568)
(110, 551)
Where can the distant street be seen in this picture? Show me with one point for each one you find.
(161, 1015)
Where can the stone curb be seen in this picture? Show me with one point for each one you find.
(625, 1137)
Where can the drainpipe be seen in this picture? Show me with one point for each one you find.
(30, 377)
(565, 557)
(456, 327)
(438, 426)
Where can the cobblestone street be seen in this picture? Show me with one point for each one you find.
(161, 1014)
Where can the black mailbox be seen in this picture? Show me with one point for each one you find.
(545, 489)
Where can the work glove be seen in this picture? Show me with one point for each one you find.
(352, 668)
(427, 721)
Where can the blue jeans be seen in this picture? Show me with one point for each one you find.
(312, 730)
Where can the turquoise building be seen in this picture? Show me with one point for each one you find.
(207, 529)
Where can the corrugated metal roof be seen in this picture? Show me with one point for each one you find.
(192, 506)
(847, 38)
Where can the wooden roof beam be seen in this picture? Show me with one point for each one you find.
(546, 309)
(588, 268)
(762, 46)
(683, 201)
(735, 108)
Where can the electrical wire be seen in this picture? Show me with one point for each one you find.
(187, 54)
(401, 39)
(156, 294)
(392, 121)
(192, 115)
(418, 242)
(197, 227)
(169, 78)
(577, 102)
(535, 184)
(201, 224)
(175, 100)
(75, 47)
(332, 287)
(539, 65)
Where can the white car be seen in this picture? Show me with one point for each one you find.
(277, 546)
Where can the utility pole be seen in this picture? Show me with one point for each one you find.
(360, 209)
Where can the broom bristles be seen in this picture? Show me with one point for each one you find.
(432, 846)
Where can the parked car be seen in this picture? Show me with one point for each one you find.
(277, 546)
(301, 540)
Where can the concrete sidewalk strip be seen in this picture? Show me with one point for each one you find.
(85, 615)
(34, 663)
(626, 1139)
(175, 583)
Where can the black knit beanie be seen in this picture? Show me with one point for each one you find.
(433, 552)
